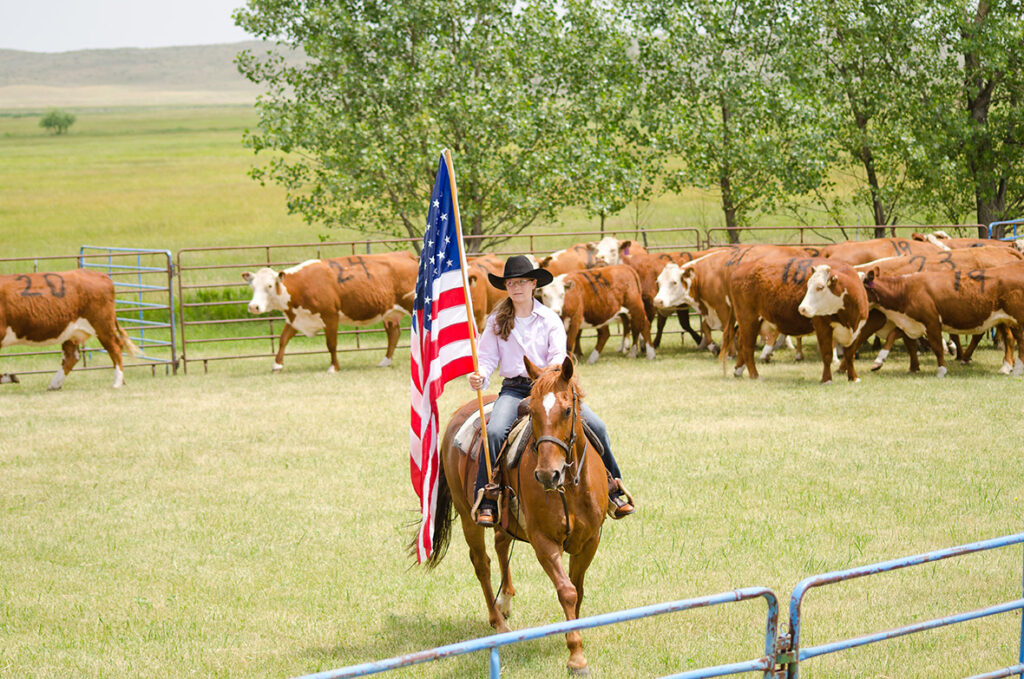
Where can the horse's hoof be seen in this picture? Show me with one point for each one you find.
(875, 367)
(579, 671)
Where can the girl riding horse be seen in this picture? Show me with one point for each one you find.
(522, 326)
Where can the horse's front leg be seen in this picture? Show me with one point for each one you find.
(549, 554)
(502, 543)
(578, 565)
(475, 535)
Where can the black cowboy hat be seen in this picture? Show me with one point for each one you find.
(518, 266)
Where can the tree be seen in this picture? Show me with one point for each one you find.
(971, 119)
(57, 121)
(388, 85)
(853, 60)
(715, 96)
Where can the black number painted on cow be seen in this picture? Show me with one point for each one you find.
(337, 267)
(978, 276)
(799, 274)
(920, 259)
(947, 258)
(56, 289)
(27, 292)
(902, 247)
(359, 260)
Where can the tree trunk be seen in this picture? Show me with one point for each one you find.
(989, 182)
(725, 180)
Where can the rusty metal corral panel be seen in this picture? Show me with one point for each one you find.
(214, 324)
(145, 308)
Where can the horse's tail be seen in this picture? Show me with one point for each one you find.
(443, 518)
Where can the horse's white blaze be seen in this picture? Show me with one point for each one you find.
(548, 402)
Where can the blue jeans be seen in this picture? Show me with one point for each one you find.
(503, 416)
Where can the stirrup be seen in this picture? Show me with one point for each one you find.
(481, 495)
(619, 497)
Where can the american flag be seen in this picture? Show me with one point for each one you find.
(441, 343)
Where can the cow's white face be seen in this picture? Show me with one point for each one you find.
(552, 295)
(268, 291)
(674, 283)
(606, 251)
(821, 298)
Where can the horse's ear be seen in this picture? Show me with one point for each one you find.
(531, 369)
(567, 368)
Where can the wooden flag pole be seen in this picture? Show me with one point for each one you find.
(469, 309)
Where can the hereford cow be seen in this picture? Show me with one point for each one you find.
(965, 302)
(583, 256)
(942, 238)
(702, 283)
(484, 295)
(595, 297)
(65, 308)
(770, 292)
(835, 291)
(321, 293)
(964, 259)
(863, 251)
(648, 266)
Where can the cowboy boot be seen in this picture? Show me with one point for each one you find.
(620, 502)
(485, 510)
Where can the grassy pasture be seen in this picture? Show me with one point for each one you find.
(237, 523)
(243, 524)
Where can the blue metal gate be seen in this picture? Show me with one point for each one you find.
(144, 297)
(782, 654)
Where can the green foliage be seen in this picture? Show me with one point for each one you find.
(362, 122)
(716, 96)
(57, 121)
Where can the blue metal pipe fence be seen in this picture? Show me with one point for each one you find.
(794, 655)
(1013, 222)
(782, 654)
(764, 664)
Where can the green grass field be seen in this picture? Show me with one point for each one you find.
(235, 523)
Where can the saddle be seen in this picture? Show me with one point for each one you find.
(469, 441)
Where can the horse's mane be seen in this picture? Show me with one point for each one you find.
(545, 382)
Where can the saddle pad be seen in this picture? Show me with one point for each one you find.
(517, 438)
(470, 428)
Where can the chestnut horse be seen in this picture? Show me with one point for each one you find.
(561, 488)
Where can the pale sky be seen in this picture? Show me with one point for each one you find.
(65, 25)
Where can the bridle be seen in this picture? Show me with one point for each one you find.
(570, 446)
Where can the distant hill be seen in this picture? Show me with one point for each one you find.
(200, 74)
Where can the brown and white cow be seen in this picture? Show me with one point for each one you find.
(595, 297)
(583, 256)
(963, 259)
(863, 251)
(648, 266)
(770, 292)
(484, 295)
(702, 283)
(929, 303)
(321, 293)
(66, 308)
(944, 239)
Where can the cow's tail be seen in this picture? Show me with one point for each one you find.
(728, 338)
(443, 518)
(126, 341)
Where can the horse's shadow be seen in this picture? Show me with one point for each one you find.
(402, 634)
